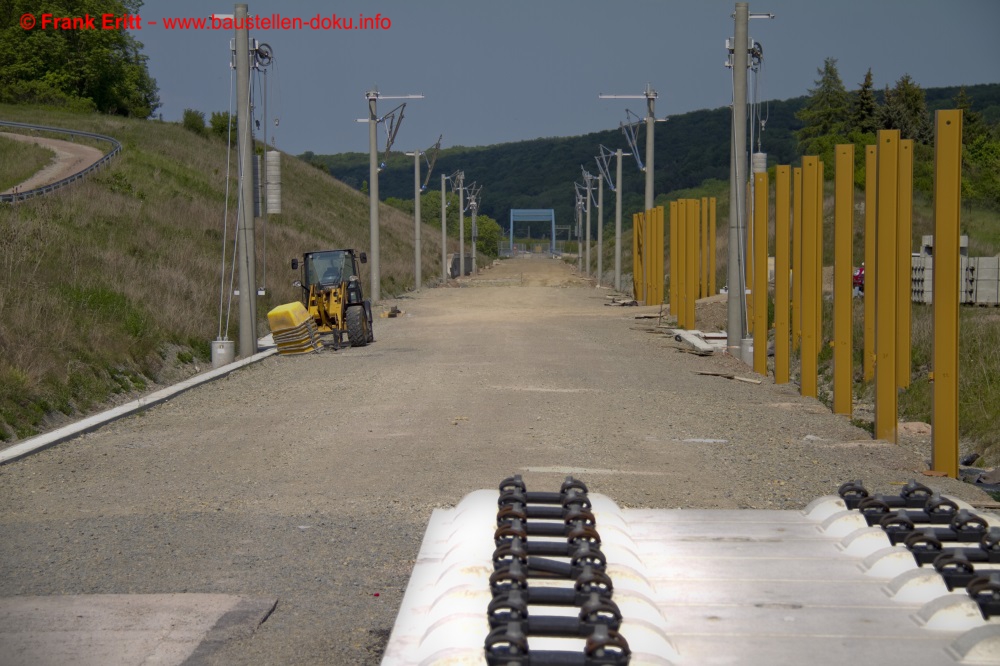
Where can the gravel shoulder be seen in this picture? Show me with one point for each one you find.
(311, 479)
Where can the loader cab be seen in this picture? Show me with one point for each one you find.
(329, 268)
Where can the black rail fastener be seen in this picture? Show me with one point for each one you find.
(852, 492)
(955, 568)
(913, 495)
(514, 529)
(927, 549)
(510, 512)
(507, 645)
(606, 647)
(583, 533)
(513, 607)
(513, 482)
(937, 511)
(985, 590)
(965, 527)
(573, 484)
(505, 553)
(512, 496)
(511, 577)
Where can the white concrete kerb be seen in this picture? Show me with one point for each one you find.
(94, 422)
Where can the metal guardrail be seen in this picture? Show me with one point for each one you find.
(116, 148)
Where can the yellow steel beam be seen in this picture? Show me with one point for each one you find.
(657, 238)
(638, 275)
(682, 222)
(871, 189)
(796, 257)
(704, 248)
(760, 214)
(648, 258)
(690, 264)
(843, 267)
(947, 205)
(782, 224)
(886, 406)
(819, 256)
(748, 260)
(673, 259)
(810, 228)
(661, 231)
(904, 263)
(711, 246)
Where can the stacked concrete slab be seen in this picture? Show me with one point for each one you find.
(987, 280)
(979, 281)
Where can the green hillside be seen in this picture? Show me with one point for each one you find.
(690, 148)
(113, 283)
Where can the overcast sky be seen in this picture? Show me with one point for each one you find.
(510, 70)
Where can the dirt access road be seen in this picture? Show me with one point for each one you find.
(69, 158)
(311, 479)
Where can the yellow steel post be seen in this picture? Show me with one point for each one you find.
(653, 262)
(781, 273)
(797, 270)
(810, 227)
(819, 256)
(661, 231)
(947, 205)
(843, 265)
(871, 189)
(704, 248)
(748, 260)
(682, 206)
(657, 231)
(904, 263)
(711, 247)
(638, 275)
(886, 407)
(689, 262)
(673, 260)
(649, 256)
(760, 214)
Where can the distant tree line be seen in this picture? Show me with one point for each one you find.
(832, 115)
(87, 70)
(691, 149)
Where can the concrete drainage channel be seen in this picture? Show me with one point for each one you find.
(46, 440)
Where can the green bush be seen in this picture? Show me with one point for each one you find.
(194, 121)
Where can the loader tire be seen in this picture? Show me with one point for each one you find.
(357, 326)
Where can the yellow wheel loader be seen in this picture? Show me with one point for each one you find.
(333, 295)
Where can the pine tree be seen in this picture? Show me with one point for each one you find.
(864, 108)
(972, 122)
(905, 109)
(825, 115)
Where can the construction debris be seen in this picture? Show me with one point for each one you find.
(393, 312)
(729, 375)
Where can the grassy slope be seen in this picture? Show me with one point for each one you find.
(19, 161)
(103, 283)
